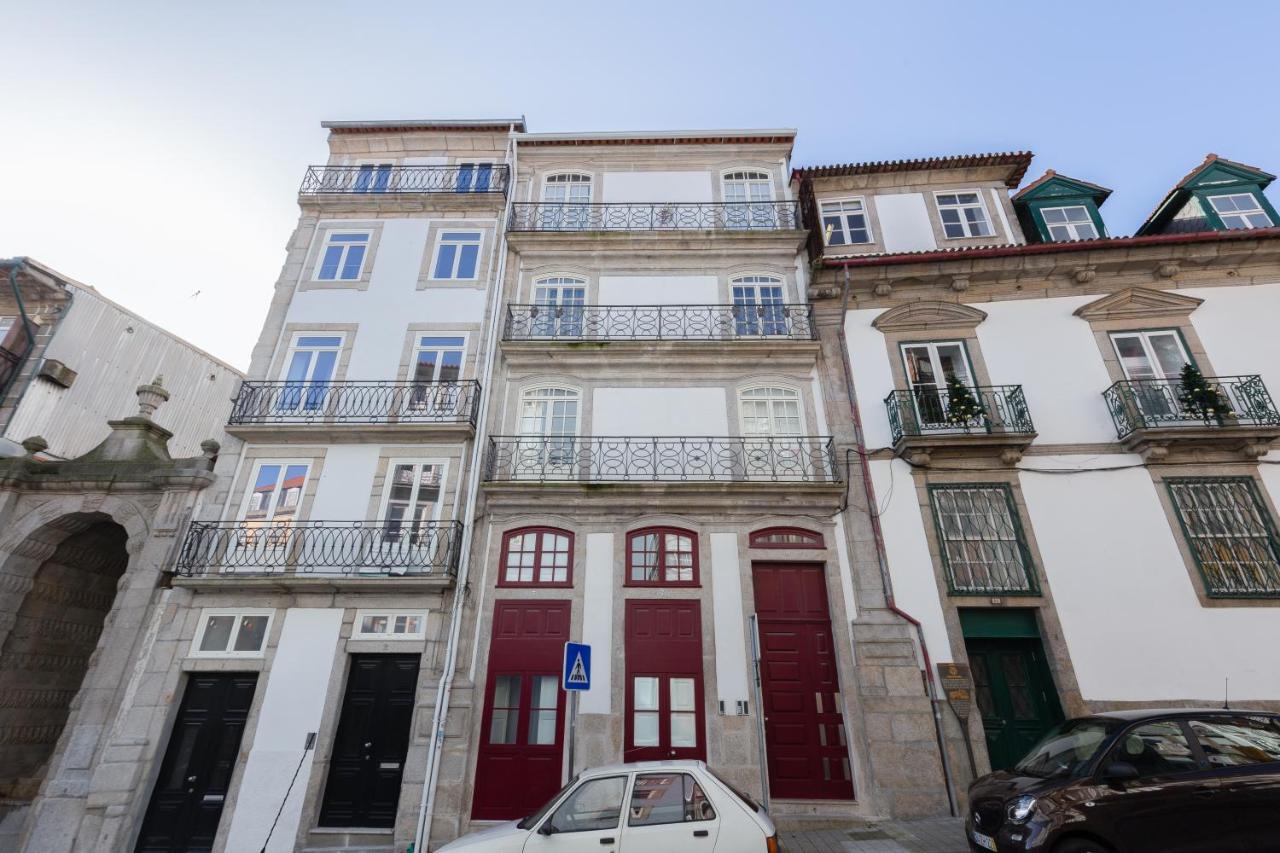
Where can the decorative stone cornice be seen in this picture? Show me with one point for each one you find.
(927, 315)
(1139, 303)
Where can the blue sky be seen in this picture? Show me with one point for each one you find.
(153, 149)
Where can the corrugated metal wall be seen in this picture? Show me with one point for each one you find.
(113, 352)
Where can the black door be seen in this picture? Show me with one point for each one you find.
(1015, 694)
(373, 736)
(196, 772)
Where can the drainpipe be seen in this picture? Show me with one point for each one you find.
(881, 553)
(435, 749)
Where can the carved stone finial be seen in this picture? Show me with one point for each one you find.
(35, 444)
(210, 448)
(150, 397)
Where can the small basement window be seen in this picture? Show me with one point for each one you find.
(232, 633)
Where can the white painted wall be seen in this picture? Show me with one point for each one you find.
(1133, 624)
(872, 376)
(659, 290)
(915, 586)
(1237, 326)
(292, 706)
(729, 621)
(342, 492)
(904, 222)
(659, 411)
(391, 302)
(597, 621)
(657, 186)
(1053, 355)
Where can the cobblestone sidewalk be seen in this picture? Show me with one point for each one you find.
(935, 835)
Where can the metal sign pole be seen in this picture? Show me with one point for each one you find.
(759, 699)
(573, 728)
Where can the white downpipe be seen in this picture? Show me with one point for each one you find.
(436, 746)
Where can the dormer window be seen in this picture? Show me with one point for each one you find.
(1240, 210)
(1069, 223)
(963, 215)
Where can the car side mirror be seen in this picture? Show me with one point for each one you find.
(1119, 771)
(547, 828)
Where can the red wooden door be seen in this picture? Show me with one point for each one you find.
(804, 729)
(521, 734)
(664, 681)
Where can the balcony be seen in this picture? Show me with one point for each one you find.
(924, 423)
(319, 551)
(606, 323)
(1156, 416)
(384, 409)
(744, 217)
(661, 459)
(375, 181)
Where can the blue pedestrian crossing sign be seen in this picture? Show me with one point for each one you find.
(576, 674)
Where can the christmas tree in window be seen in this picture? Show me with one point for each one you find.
(1199, 399)
(963, 408)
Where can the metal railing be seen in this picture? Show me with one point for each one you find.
(10, 364)
(931, 411)
(614, 459)
(453, 402)
(399, 180)
(319, 548)
(1165, 404)
(659, 322)
(658, 216)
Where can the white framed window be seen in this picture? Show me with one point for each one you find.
(769, 411)
(1240, 210)
(747, 185)
(232, 632)
(457, 255)
(438, 357)
(548, 427)
(411, 495)
(390, 625)
(309, 366)
(567, 188)
(275, 492)
(559, 304)
(759, 306)
(963, 214)
(1151, 354)
(845, 222)
(1069, 223)
(474, 176)
(373, 176)
(342, 256)
(930, 367)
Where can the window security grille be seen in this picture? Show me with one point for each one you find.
(1230, 534)
(983, 548)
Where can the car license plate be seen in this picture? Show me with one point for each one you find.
(984, 841)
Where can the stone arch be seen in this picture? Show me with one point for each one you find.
(57, 587)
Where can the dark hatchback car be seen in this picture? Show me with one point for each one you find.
(1172, 781)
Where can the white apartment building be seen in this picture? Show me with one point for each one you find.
(791, 449)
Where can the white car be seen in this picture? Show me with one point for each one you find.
(671, 806)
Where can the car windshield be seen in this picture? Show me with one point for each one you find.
(532, 820)
(1067, 749)
(745, 797)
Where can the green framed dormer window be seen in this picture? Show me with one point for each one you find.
(1218, 195)
(1057, 209)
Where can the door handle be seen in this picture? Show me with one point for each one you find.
(606, 840)
(700, 833)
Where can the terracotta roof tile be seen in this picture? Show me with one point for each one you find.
(1020, 161)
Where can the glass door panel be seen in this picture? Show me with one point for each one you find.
(930, 366)
(309, 369)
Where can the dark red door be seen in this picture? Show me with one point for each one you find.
(664, 681)
(521, 735)
(804, 728)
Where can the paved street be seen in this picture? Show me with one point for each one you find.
(936, 835)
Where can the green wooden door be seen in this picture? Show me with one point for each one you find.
(1015, 696)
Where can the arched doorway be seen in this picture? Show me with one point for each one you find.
(59, 586)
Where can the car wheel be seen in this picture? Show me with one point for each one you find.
(1081, 845)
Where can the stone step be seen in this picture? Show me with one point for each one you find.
(349, 841)
(800, 815)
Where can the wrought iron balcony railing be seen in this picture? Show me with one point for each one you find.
(356, 403)
(1164, 404)
(660, 216)
(658, 322)
(319, 548)
(476, 178)
(931, 411)
(638, 459)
